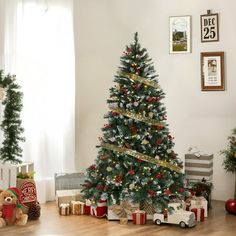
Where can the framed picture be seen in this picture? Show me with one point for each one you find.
(180, 34)
(209, 27)
(212, 71)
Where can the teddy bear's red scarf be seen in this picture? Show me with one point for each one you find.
(8, 211)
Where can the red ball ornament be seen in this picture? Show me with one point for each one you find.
(159, 141)
(158, 176)
(230, 206)
(139, 160)
(131, 172)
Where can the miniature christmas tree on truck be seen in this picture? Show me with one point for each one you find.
(136, 160)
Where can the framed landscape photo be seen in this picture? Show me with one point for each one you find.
(180, 34)
(209, 27)
(212, 71)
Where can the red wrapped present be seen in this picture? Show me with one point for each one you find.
(139, 217)
(100, 210)
(87, 207)
(199, 214)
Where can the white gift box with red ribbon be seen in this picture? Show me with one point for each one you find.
(199, 202)
(100, 210)
(139, 217)
(199, 214)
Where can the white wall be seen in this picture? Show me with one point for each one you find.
(196, 118)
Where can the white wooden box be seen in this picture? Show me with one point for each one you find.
(8, 173)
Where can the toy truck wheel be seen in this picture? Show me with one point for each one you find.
(158, 222)
(182, 224)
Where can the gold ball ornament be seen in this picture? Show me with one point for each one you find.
(235, 154)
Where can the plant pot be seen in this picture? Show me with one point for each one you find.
(230, 206)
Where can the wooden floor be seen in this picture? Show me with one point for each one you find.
(219, 223)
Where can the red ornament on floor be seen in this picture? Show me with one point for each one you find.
(230, 206)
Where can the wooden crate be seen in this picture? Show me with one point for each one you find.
(8, 173)
(68, 181)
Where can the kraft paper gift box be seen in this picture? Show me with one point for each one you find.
(123, 210)
(100, 210)
(148, 208)
(198, 167)
(139, 217)
(66, 196)
(77, 208)
(64, 209)
(199, 202)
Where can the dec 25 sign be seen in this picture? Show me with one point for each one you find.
(209, 27)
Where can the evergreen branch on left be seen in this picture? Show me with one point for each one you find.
(11, 124)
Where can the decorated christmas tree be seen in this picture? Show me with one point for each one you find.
(11, 99)
(136, 160)
(230, 156)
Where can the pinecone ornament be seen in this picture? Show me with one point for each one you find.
(34, 211)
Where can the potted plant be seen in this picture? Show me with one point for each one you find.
(229, 164)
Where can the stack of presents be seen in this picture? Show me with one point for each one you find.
(198, 174)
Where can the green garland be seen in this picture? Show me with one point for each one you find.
(11, 123)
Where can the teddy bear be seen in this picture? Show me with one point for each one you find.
(10, 208)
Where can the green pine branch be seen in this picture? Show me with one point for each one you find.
(11, 124)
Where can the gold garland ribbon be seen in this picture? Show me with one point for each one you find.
(137, 117)
(141, 156)
(143, 80)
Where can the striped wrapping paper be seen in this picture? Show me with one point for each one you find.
(200, 167)
(139, 217)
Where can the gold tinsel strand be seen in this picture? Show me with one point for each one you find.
(138, 117)
(141, 156)
(143, 80)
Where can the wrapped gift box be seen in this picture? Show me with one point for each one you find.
(124, 210)
(64, 209)
(198, 167)
(199, 214)
(148, 208)
(100, 210)
(77, 208)
(66, 196)
(199, 202)
(139, 217)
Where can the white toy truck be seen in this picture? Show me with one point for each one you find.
(179, 216)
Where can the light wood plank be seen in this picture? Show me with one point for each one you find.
(52, 224)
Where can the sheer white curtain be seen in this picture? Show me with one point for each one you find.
(43, 60)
